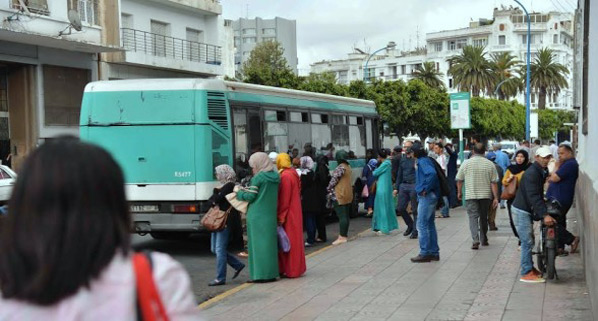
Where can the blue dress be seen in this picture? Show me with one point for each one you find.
(385, 219)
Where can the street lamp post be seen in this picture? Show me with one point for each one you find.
(527, 75)
(366, 75)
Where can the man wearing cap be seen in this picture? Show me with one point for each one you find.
(405, 189)
(530, 199)
(481, 192)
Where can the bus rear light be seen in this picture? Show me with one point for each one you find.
(184, 209)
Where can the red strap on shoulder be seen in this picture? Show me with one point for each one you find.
(148, 298)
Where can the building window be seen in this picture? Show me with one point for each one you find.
(481, 42)
(63, 91)
(159, 32)
(501, 27)
(452, 45)
(249, 32)
(555, 39)
(403, 69)
(502, 40)
(461, 43)
(237, 41)
(451, 83)
(126, 20)
(88, 10)
(268, 39)
(249, 40)
(34, 6)
(194, 38)
(269, 31)
(437, 46)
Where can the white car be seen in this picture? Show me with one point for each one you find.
(7, 180)
(509, 146)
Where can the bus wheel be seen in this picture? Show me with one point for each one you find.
(169, 235)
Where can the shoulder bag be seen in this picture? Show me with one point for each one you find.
(240, 206)
(215, 219)
(509, 192)
(149, 303)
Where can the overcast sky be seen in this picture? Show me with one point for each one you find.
(329, 29)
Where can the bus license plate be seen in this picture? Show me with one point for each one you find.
(144, 208)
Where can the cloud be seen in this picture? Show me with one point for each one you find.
(329, 29)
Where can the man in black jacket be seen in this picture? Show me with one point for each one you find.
(529, 204)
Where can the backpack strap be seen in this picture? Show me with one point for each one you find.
(149, 304)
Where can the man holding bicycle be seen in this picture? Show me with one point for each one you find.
(529, 204)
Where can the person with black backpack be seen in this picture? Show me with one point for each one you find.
(481, 190)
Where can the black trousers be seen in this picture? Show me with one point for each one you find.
(565, 237)
(321, 225)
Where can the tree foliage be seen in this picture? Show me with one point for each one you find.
(505, 67)
(428, 73)
(551, 121)
(324, 83)
(471, 70)
(267, 66)
(492, 118)
(547, 75)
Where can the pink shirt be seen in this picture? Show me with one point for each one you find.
(112, 296)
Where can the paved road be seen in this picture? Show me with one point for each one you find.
(194, 253)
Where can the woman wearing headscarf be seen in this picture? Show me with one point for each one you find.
(340, 192)
(262, 195)
(292, 263)
(322, 178)
(368, 176)
(309, 192)
(385, 219)
(226, 176)
(515, 171)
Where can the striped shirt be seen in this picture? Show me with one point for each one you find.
(478, 174)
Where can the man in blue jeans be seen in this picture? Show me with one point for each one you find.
(529, 204)
(427, 188)
(405, 190)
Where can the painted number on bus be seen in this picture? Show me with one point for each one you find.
(182, 174)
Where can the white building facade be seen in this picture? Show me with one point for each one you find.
(168, 39)
(507, 32)
(48, 53)
(249, 32)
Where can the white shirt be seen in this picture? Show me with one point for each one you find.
(112, 296)
(443, 161)
(554, 149)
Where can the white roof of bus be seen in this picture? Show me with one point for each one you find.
(216, 84)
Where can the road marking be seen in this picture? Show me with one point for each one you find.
(234, 290)
(221, 296)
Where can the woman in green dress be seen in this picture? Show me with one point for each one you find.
(385, 219)
(262, 196)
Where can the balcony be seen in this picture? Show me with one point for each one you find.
(147, 48)
(204, 7)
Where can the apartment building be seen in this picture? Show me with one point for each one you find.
(48, 53)
(249, 32)
(167, 39)
(506, 32)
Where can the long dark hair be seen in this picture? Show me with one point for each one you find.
(68, 217)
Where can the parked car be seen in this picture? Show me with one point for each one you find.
(7, 180)
(509, 146)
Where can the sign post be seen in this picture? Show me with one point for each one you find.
(460, 119)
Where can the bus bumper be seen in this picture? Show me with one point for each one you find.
(145, 223)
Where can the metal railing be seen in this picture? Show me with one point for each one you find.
(165, 46)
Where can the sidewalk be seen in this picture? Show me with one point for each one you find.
(372, 278)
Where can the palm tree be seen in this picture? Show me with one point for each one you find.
(471, 70)
(428, 73)
(504, 66)
(547, 75)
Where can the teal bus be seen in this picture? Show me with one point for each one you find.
(168, 135)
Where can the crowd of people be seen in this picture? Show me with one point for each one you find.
(74, 260)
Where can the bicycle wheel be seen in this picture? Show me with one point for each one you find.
(550, 261)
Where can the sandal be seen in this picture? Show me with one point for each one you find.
(243, 254)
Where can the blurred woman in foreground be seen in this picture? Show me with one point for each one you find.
(65, 246)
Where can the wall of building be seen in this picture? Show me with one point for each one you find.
(142, 12)
(284, 32)
(587, 185)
